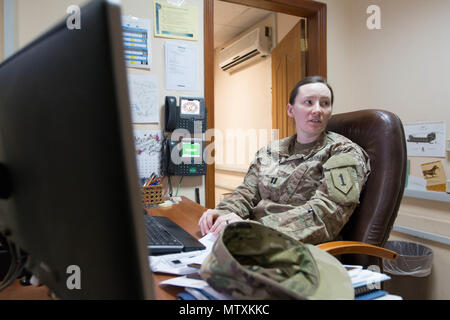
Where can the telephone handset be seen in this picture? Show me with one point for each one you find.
(189, 115)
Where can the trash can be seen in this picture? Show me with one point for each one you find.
(410, 273)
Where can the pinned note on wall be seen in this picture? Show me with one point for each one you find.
(148, 145)
(136, 41)
(176, 21)
(433, 172)
(143, 91)
(182, 66)
(425, 139)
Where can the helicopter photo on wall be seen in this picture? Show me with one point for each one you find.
(425, 139)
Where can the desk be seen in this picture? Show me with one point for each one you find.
(185, 214)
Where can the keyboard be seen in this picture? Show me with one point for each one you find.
(159, 240)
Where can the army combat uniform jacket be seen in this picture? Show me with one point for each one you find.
(306, 191)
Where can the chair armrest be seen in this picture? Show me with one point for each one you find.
(354, 247)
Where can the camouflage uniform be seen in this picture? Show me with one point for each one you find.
(306, 191)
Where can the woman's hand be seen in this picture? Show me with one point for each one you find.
(222, 221)
(212, 222)
(207, 220)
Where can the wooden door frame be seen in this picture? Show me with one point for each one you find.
(316, 14)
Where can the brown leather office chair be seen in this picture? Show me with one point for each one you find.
(381, 134)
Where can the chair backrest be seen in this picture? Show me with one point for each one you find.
(380, 133)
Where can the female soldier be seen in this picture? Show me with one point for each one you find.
(307, 185)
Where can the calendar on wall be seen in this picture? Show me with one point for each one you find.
(148, 145)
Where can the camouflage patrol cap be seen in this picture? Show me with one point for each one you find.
(253, 261)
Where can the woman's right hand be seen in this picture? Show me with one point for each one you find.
(211, 221)
(207, 220)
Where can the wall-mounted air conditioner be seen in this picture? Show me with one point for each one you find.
(253, 45)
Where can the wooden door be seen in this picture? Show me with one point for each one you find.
(288, 67)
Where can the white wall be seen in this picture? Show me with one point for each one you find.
(34, 17)
(339, 52)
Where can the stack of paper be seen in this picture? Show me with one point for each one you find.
(196, 288)
(187, 264)
(181, 263)
(367, 283)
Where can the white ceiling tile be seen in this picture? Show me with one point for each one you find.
(224, 12)
(230, 20)
(248, 18)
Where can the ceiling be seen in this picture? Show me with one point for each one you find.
(232, 19)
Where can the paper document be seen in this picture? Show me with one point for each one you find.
(417, 183)
(148, 145)
(182, 66)
(425, 139)
(143, 91)
(186, 282)
(178, 22)
(390, 297)
(353, 270)
(434, 174)
(367, 277)
(136, 41)
(177, 263)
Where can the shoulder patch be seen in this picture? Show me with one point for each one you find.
(341, 178)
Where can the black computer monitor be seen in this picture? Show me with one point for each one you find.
(69, 183)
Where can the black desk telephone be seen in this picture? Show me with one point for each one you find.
(185, 157)
(189, 115)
